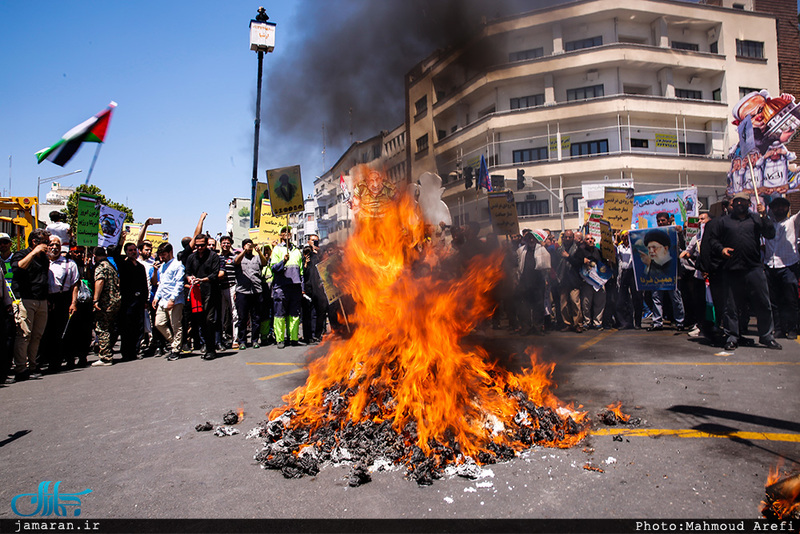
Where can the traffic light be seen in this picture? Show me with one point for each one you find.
(468, 177)
(520, 179)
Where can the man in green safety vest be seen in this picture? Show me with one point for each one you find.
(286, 263)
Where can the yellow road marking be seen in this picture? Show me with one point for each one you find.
(688, 433)
(293, 371)
(613, 364)
(596, 339)
(269, 363)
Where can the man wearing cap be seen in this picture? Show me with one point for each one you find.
(781, 260)
(736, 239)
(7, 327)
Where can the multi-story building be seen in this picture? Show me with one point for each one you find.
(592, 90)
(385, 151)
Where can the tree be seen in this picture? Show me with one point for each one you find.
(72, 204)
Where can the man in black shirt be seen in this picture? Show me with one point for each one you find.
(30, 284)
(202, 269)
(133, 290)
(737, 240)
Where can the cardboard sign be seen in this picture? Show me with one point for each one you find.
(156, 237)
(655, 258)
(618, 207)
(692, 227)
(503, 212)
(269, 226)
(285, 190)
(607, 249)
(87, 221)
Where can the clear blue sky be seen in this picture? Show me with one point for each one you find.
(181, 140)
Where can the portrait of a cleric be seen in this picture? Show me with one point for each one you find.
(656, 264)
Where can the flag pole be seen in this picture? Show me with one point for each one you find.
(94, 160)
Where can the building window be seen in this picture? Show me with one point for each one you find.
(309, 217)
(716, 95)
(690, 94)
(522, 55)
(679, 45)
(695, 149)
(527, 101)
(589, 148)
(639, 143)
(738, 6)
(422, 143)
(752, 49)
(421, 105)
(714, 47)
(441, 134)
(582, 93)
(530, 154)
(583, 43)
(532, 207)
(744, 91)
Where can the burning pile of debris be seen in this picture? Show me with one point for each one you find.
(405, 388)
(782, 496)
(613, 416)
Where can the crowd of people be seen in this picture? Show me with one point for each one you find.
(742, 263)
(62, 303)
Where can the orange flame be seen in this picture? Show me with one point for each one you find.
(405, 361)
(783, 494)
(240, 413)
(616, 409)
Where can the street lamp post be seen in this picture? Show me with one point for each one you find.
(262, 39)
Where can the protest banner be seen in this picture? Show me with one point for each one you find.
(269, 226)
(156, 237)
(655, 258)
(111, 223)
(87, 220)
(618, 207)
(254, 235)
(503, 212)
(285, 190)
(607, 249)
(680, 203)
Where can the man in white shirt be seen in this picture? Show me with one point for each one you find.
(59, 228)
(781, 259)
(62, 303)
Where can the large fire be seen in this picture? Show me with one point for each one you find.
(406, 364)
(782, 495)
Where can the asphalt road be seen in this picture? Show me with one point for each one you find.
(713, 426)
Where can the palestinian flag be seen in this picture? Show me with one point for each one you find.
(89, 131)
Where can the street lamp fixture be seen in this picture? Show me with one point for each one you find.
(262, 39)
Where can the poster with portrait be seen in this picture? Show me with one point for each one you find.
(111, 223)
(761, 160)
(156, 237)
(285, 190)
(262, 194)
(655, 258)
